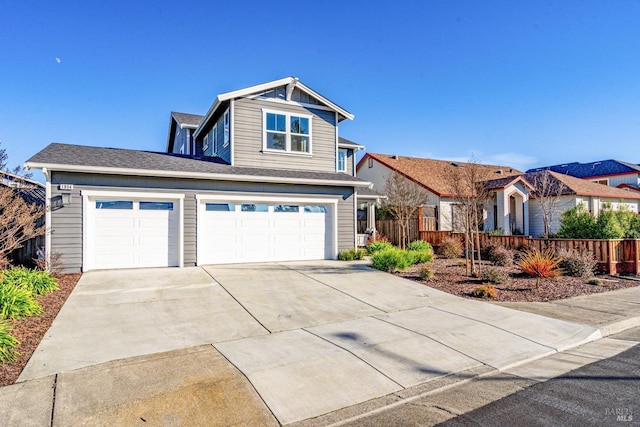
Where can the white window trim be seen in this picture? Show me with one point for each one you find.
(599, 181)
(226, 123)
(214, 140)
(287, 133)
(346, 157)
(97, 194)
(205, 143)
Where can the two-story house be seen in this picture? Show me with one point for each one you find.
(262, 176)
(613, 173)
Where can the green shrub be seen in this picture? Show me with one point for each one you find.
(496, 232)
(450, 248)
(485, 291)
(17, 302)
(8, 344)
(378, 245)
(38, 282)
(577, 223)
(494, 275)
(391, 259)
(351, 254)
(498, 254)
(577, 263)
(427, 274)
(419, 245)
(419, 257)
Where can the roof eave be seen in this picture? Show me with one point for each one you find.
(263, 87)
(193, 175)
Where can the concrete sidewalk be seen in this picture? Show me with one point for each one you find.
(390, 340)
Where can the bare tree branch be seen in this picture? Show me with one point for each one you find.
(404, 198)
(547, 190)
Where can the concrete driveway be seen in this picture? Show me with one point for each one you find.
(311, 337)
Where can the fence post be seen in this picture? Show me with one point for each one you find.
(610, 257)
(636, 257)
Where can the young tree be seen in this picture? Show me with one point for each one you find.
(467, 184)
(17, 218)
(547, 190)
(404, 198)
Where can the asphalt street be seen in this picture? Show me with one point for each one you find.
(604, 393)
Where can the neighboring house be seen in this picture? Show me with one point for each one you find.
(575, 191)
(433, 176)
(513, 207)
(32, 192)
(613, 173)
(264, 176)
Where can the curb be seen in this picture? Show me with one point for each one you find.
(619, 326)
(463, 378)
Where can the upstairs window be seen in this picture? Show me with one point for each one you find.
(226, 121)
(205, 143)
(342, 160)
(286, 132)
(214, 140)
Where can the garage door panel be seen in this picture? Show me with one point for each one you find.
(114, 222)
(133, 237)
(264, 235)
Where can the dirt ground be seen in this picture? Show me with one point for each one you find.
(31, 330)
(451, 277)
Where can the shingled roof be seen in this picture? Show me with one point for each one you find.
(572, 185)
(593, 169)
(187, 120)
(433, 174)
(80, 158)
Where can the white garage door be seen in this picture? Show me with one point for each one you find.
(129, 233)
(231, 232)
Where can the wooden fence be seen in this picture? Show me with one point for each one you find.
(390, 229)
(28, 252)
(613, 256)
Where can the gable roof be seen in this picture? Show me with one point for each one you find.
(119, 161)
(580, 187)
(501, 183)
(290, 82)
(432, 174)
(345, 143)
(596, 169)
(186, 120)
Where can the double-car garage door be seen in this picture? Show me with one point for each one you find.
(124, 231)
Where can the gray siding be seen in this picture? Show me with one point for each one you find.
(66, 222)
(346, 224)
(249, 131)
(633, 179)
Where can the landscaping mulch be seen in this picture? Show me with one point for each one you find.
(31, 330)
(450, 276)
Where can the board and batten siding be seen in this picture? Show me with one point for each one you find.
(248, 136)
(67, 221)
(536, 223)
(222, 151)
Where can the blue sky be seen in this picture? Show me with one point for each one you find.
(524, 84)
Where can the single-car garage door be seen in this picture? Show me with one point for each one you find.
(128, 233)
(232, 232)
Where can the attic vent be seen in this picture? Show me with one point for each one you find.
(394, 157)
(499, 171)
(455, 164)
